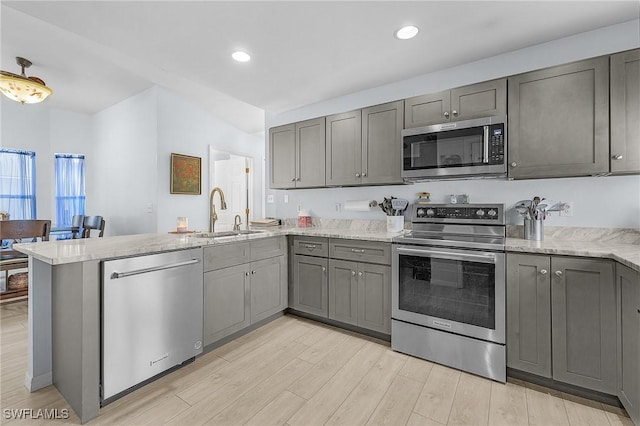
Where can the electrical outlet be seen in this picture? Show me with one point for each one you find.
(286, 198)
(568, 209)
(338, 207)
(149, 207)
(270, 199)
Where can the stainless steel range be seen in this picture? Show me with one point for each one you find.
(448, 288)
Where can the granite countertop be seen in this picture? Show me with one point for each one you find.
(611, 246)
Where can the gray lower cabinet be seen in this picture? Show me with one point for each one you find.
(562, 309)
(483, 99)
(296, 155)
(628, 286)
(359, 291)
(625, 110)
(559, 121)
(227, 306)
(309, 286)
(240, 295)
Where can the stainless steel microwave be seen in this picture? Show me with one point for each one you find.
(471, 148)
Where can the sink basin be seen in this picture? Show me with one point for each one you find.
(224, 233)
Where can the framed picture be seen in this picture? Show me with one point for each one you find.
(185, 174)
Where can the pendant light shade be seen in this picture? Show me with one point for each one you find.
(23, 89)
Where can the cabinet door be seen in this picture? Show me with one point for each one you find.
(529, 313)
(226, 302)
(584, 323)
(344, 148)
(428, 109)
(268, 287)
(218, 256)
(382, 143)
(282, 156)
(343, 291)
(484, 99)
(559, 121)
(625, 110)
(374, 297)
(310, 285)
(310, 161)
(628, 286)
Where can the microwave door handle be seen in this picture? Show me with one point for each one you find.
(470, 257)
(485, 145)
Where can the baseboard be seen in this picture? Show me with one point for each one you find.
(342, 325)
(38, 382)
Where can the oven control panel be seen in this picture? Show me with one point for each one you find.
(459, 213)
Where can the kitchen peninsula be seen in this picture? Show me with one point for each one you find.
(65, 293)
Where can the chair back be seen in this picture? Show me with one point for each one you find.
(92, 222)
(17, 230)
(76, 225)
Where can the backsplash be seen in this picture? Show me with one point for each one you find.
(602, 235)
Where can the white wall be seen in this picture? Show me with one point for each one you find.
(599, 202)
(46, 131)
(186, 129)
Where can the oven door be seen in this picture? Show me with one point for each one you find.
(458, 291)
(472, 147)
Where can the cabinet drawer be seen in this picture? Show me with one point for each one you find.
(362, 251)
(225, 255)
(311, 246)
(268, 247)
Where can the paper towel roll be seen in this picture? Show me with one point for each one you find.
(357, 205)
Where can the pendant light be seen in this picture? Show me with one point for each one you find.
(23, 89)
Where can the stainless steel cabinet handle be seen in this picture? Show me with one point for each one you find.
(543, 271)
(310, 246)
(360, 273)
(293, 180)
(324, 269)
(617, 157)
(298, 179)
(446, 114)
(514, 164)
(357, 251)
(117, 275)
(364, 174)
(246, 274)
(353, 273)
(357, 174)
(558, 273)
(253, 272)
(639, 311)
(455, 113)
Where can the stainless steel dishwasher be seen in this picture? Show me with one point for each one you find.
(152, 316)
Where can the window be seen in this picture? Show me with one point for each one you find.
(18, 183)
(70, 196)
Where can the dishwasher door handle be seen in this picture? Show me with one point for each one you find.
(117, 275)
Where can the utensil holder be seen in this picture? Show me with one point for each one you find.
(534, 229)
(395, 223)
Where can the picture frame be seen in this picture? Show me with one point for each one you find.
(186, 174)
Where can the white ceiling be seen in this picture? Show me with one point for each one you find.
(97, 53)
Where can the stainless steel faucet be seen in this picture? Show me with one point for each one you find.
(237, 221)
(213, 216)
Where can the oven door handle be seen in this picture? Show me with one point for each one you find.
(471, 257)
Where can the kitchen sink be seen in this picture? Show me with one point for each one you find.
(225, 233)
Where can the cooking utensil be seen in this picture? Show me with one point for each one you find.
(399, 205)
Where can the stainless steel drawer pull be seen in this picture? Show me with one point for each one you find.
(558, 273)
(353, 273)
(617, 157)
(359, 274)
(310, 246)
(543, 271)
(117, 275)
(324, 269)
(357, 250)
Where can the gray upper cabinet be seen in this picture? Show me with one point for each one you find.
(344, 148)
(559, 121)
(484, 99)
(628, 287)
(583, 306)
(529, 313)
(382, 143)
(282, 156)
(297, 153)
(625, 110)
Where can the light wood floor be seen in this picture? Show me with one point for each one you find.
(299, 372)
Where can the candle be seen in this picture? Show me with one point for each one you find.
(182, 224)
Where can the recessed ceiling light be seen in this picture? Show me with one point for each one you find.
(241, 56)
(407, 32)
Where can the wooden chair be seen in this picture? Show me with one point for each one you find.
(19, 231)
(92, 222)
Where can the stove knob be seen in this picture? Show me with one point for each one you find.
(420, 212)
(480, 213)
(430, 212)
(492, 213)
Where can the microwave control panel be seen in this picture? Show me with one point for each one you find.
(496, 144)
